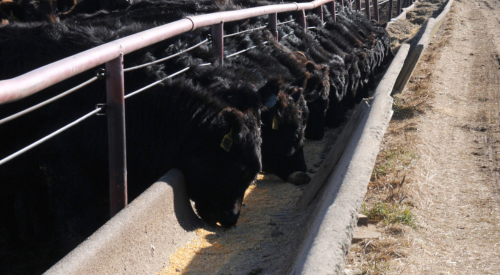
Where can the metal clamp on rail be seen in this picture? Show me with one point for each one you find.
(102, 109)
(100, 73)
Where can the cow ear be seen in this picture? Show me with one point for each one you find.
(296, 95)
(325, 69)
(310, 66)
(361, 56)
(231, 122)
(269, 92)
(362, 34)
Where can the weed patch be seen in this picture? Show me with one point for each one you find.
(390, 213)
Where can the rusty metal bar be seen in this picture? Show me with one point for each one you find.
(389, 13)
(319, 12)
(273, 25)
(375, 10)
(41, 78)
(331, 9)
(398, 7)
(367, 9)
(301, 19)
(218, 40)
(115, 112)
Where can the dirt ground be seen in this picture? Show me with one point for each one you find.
(442, 150)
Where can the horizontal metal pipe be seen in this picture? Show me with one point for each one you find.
(46, 102)
(157, 82)
(40, 141)
(286, 22)
(241, 32)
(46, 76)
(379, 4)
(166, 58)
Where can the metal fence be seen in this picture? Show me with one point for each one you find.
(112, 54)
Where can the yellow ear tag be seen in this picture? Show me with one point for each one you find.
(227, 141)
(276, 122)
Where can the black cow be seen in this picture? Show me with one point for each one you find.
(282, 146)
(282, 124)
(353, 48)
(59, 190)
(28, 11)
(301, 71)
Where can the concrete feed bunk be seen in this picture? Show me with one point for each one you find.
(279, 228)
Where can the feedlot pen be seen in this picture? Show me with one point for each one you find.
(270, 228)
(268, 233)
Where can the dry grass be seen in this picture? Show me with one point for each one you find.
(389, 199)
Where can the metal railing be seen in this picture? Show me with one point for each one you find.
(111, 54)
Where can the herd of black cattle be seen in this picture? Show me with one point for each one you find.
(220, 125)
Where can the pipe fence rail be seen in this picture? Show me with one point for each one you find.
(166, 58)
(111, 54)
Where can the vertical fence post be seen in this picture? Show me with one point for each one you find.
(218, 40)
(331, 9)
(273, 25)
(375, 10)
(319, 12)
(367, 10)
(398, 7)
(358, 5)
(389, 13)
(301, 19)
(115, 112)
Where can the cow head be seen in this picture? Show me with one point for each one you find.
(224, 159)
(283, 134)
(316, 92)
